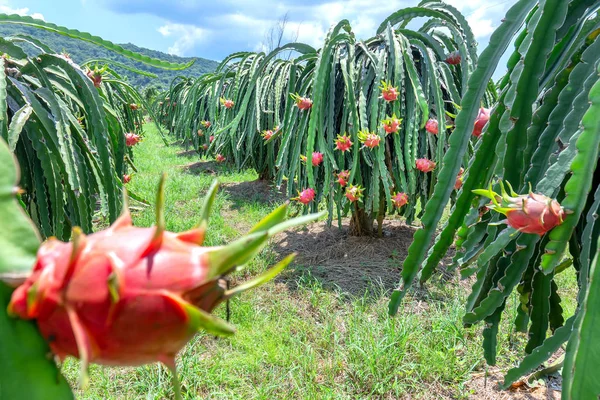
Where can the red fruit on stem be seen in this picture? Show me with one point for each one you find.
(204, 147)
(317, 158)
(342, 177)
(369, 139)
(303, 103)
(200, 132)
(306, 196)
(343, 143)
(267, 134)
(458, 183)
(134, 107)
(131, 139)
(220, 158)
(227, 103)
(400, 199)
(453, 58)
(391, 124)
(527, 213)
(211, 138)
(432, 126)
(425, 165)
(481, 121)
(126, 178)
(129, 296)
(206, 124)
(388, 92)
(354, 193)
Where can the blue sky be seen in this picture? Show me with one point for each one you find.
(214, 29)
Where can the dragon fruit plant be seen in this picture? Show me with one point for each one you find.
(541, 140)
(129, 296)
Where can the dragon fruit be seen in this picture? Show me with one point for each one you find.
(527, 213)
(303, 103)
(220, 158)
(227, 103)
(200, 132)
(343, 143)
(425, 165)
(369, 139)
(129, 296)
(131, 139)
(211, 138)
(481, 121)
(267, 135)
(134, 107)
(126, 178)
(391, 124)
(205, 124)
(432, 126)
(453, 58)
(306, 196)
(459, 179)
(303, 158)
(342, 177)
(354, 193)
(204, 147)
(96, 76)
(317, 158)
(388, 92)
(399, 199)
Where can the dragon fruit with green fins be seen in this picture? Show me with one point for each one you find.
(128, 296)
(527, 213)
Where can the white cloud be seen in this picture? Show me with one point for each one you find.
(186, 37)
(5, 8)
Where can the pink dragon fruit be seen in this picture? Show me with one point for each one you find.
(481, 121)
(391, 124)
(267, 135)
(388, 92)
(134, 107)
(343, 143)
(317, 158)
(126, 178)
(227, 103)
(527, 213)
(96, 76)
(206, 124)
(342, 177)
(200, 132)
(306, 196)
(453, 58)
(354, 193)
(303, 103)
(204, 147)
(432, 126)
(399, 199)
(131, 139)
(211, 138)
(369, 139)
(220, 158)
(425, 165)
(129, 296)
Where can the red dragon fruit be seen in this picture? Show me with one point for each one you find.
(481, 121)
(391, 124)
(220, 158)
(134, 107)
(369, 139)
(96, 76)
(204, 147)
(200, 132)
(425, 165)
(400, 199)
(527, 213)
(342, 177)
(129, 296)
(267, 135)
(354, 193)
(205, 124)
(126, 178)
(343, 143)
(211, 138)
(131, 139)
(227, 103)
(317, 158)
(306, 196)
(303, 103)
(459, 179)
(453, 58)
(388, 92)
(432, 126)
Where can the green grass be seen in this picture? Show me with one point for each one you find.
(301, 341)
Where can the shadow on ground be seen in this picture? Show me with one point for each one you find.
(350, 264)
(260, 191)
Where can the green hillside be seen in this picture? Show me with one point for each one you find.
(82, 51)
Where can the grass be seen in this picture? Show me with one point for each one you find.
(301, 341)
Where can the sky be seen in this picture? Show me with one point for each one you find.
(214, 29)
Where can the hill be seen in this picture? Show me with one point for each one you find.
(81, 51)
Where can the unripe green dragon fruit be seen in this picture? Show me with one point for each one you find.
(527, 213)
(129, 296)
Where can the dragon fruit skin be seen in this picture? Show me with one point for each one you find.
(391, 125)
(400, 199)
(432, 126)
(454, 58)
(306, 196)
(388, 92)
(343, 177)
(481, 121)
(317, 158)
(343, 143)
(425, 165)
(131, 139)
(129, 296)
(528, 213)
